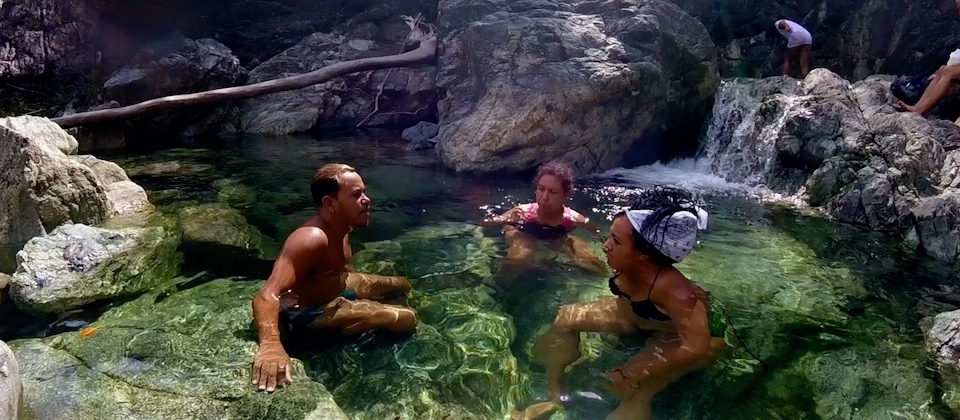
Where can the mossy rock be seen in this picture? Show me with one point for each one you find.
(77, 264)
(235, 194)
(218, 237)
(184, 355)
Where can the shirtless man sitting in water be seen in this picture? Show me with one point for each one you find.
(318, 290)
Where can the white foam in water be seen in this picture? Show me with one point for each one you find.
(692, 175)
(685, 173)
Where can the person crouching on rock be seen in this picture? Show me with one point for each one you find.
(658, 230)
(313, 291)
(547, 220)
(799, 41)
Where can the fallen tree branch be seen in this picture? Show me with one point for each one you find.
(418, 31)
(426, 52)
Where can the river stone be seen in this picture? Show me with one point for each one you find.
(123, 196)
(942, 335)
(219, 237)
(78, 264)
(11, 386)
(841, 147)
(162, 356)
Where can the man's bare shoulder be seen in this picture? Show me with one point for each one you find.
(306, 239)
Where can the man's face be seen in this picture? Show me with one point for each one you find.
(352, 204)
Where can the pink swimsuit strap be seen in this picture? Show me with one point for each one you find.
(531, 216)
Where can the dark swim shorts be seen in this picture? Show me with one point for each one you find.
(300, 320)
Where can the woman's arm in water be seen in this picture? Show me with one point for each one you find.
(513, 215)
(583, 222)
(682, 302)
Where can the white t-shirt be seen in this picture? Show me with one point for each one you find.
(797, 37)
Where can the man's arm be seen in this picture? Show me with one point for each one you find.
(295, 260)
(271, 364)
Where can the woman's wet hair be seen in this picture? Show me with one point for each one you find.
(560, 170)
(663, 202)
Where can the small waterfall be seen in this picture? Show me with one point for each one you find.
(739, 143)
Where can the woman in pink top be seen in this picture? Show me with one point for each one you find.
(799, 41)
(548, 221)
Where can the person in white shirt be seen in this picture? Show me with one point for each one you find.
(799, 41)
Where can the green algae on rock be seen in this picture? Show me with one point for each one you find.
(77, 264)
(457, 365)
(433, 257)
(183, 355)
(218, 237)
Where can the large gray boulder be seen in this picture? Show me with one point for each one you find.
(842, 147)
(11, 386)
(582, 81)
(77, 264)
(45, 187)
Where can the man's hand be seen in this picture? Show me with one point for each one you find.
(271, 366)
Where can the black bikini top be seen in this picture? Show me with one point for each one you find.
(643, 308)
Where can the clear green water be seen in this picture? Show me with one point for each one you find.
(830, 311)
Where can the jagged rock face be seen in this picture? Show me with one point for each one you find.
(38, 36)
(855, 38)
(844, 148)
(943, 344)
(585, 82)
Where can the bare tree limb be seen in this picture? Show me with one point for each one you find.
(426, 52)
(418, 31)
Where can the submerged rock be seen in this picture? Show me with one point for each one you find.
(457, 365)
(77, 264)
(11, 386)
(582, 81)
(218, 236)
(433, 257)
(180, 355)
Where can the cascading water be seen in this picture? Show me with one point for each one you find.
(731, 147)
(738, 147)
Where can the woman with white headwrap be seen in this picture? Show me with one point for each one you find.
(658, 230)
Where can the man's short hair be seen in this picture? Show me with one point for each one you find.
(326, 182)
